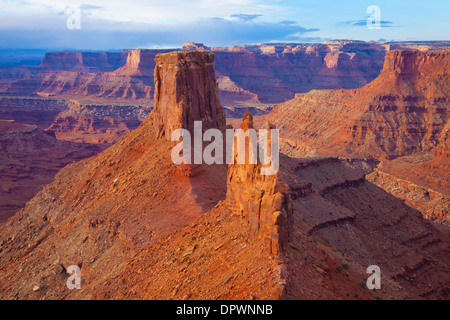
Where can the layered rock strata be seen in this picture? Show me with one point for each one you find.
(186, 91)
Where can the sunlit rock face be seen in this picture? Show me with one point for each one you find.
(186, 91)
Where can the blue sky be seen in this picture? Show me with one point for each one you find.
(114, 24)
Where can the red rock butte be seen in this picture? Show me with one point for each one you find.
(186, 91)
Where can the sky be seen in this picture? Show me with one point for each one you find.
(119, 24)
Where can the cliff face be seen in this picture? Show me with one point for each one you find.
(413, 64)
(247, 75)
(403, 111)
(97, 123)
(402, 115)
(186, 91)
(263, 201)
(99, 76)
(413, 78)
(123, 200)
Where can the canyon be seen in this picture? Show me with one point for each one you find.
(25, 166)
(142, 227)
(73, 120)
(248, 75)
(263, 74)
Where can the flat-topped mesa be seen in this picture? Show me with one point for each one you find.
(186, 90)
(412, 78)
(262, 200)
(416, 63)
(402, 112)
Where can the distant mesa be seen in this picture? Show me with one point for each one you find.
(194, 46)
(403, 111)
